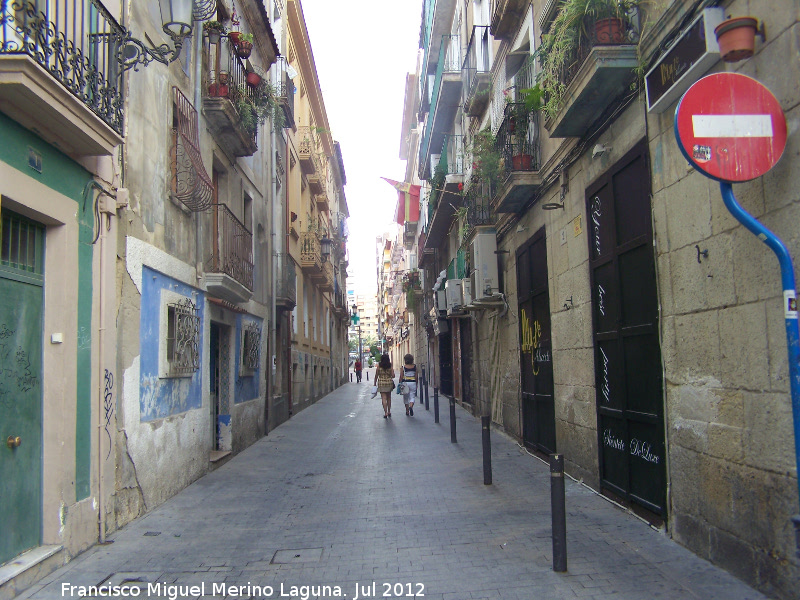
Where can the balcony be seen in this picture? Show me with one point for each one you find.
(327, 280)
(340, 308)
(446, 186)
(506, 15)
(477, 202)
(227, 99)
(445, 100)
(598, 72)
(409, 234)
(286, 283)
(322, 202)
(476, 82)
(229, 273)
(306, 150)
(316, 179)
(284, 88)
(518, 139)
(59, 79)
(311, 255)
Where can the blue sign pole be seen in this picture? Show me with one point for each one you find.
(789, 309)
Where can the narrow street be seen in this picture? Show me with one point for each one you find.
(340, 497)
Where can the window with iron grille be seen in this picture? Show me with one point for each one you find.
(251, 347)
(183, 338)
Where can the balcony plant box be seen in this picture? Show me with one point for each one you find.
(737, 38)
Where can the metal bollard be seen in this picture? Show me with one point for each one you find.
(425, 391)
(367, 375)
(558, 513)
(487, 451)
(351, 378)
(453, 439)
(435, 405)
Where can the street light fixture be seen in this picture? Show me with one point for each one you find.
(176, 18)
(325, 249)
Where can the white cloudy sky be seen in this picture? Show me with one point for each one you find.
(363, 50)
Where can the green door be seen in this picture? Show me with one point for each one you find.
(21, 279)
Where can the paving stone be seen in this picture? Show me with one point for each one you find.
(364, 499)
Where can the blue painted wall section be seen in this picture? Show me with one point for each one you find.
(247, 386)
(160, 398)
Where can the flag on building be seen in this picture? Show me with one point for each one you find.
(407, 201)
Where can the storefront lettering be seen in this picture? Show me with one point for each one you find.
(601, 297)
(613, 442)
(606, 388)
(596, 214)
(643, 451)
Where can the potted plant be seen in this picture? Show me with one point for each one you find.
(519, 113)
(254, 76)
(736, 38)
(214, 29)
(244, 45)
(486, 157)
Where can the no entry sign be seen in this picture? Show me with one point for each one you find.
(730, 127)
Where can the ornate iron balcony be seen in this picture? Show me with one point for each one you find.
(76, 42)
(232, 251)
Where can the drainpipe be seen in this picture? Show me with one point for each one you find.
(197, 58)
(273, 260)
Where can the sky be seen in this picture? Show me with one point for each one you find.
(363, 50)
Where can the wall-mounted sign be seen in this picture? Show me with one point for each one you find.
(692, 54)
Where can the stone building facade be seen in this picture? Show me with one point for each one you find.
(594, 323)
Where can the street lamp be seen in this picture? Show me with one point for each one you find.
(325, 249)
(357, 326)
(176, 19)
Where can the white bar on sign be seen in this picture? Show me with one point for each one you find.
(726, 126)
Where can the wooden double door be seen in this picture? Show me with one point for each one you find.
(629, 381)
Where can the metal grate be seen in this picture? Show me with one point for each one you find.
(22, 246)
(251, 346)
(183, 337)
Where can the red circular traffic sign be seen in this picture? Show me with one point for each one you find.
(730, 127)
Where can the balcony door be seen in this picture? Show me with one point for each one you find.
(629, 386)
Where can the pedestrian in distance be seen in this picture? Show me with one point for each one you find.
(357, 367)
(384, 380)
(408, 379)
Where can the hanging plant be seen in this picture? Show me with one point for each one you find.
(244, 45)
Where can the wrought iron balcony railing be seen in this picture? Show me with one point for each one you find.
(594, 33)
(476, 82)
(518, 138)
(232, 250)
(284, 88)
(77, 42)
(477, 202)
(286, 282)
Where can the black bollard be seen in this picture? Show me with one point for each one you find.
(487, 451)
(425, 391)
(367, 375)
(435, 405)
(558, 513)
(351, 378)
(453, 439)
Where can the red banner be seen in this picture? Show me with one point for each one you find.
(407, 201)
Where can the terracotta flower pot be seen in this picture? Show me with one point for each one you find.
(253, 79)
(609, 31)
(218, 90)
(522, 162)
(223, 77)
(233, 36)
(243, 49)
(737, 38)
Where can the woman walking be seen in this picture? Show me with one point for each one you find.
(384, 379)
(409, 380)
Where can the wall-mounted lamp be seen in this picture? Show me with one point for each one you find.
(552, 205)
(325, 248)
(176, 18)
(599, 150)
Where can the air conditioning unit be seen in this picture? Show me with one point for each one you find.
(466, 290)
(485, 280)
(440, 301)
(455, 297)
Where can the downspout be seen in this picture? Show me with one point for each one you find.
(197, 57)
(273, 275)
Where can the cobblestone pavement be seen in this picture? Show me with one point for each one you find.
(339, 496)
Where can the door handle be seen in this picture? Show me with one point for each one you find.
(13, 442)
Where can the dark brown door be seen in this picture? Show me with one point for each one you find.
(446, 363)
(625, 321)
(536, 364)
(466, 360)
